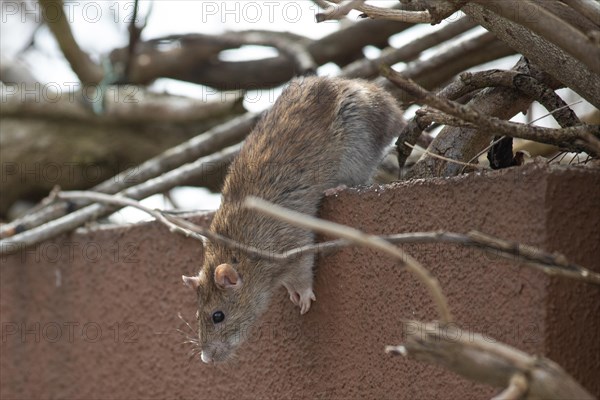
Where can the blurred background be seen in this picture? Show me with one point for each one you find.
(49, 135)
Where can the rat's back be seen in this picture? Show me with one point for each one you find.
(319, 134)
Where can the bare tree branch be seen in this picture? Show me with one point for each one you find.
(358, 237)
(548, 26)
(589, 8)
(552, 264)
(414, 17)
(174, 223)
(195, 170)
(487, 361)
(542, 52)
(463, 144)
(126, 104)
(574, 138)
(469, 82)
(200, 146)
(335, 13)
(81, 63)
(525, 83)
(368, 69)
(439, 10)
(448, 63)
(516, 390)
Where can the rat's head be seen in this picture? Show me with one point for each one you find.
(228, 306)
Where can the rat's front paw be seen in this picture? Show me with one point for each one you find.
(303, 299)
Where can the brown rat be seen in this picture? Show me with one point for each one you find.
(320, 133)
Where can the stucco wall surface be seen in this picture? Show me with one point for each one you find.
(94, 314)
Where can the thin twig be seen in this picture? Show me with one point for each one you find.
(168, 180)
(135, 33)
(413, 17)
(87, 71)
(425, 151)
(358, 237)
(337, 13)
(517, 387)
(573, 137)
(121, 201)
(174, 223)
(553, 264)
(485, 150)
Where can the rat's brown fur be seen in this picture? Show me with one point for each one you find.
(321, 133)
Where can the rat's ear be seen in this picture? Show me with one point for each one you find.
(226, 277)
(192, 282)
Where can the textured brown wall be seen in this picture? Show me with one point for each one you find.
(94, 314)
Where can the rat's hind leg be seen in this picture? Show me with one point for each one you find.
(299, 283)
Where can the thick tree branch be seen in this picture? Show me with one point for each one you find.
(201, 168)
(200, 146)
(575, 138)
(194, 57)
(368, 69)
(589, 8)
(446, 64)
(123, 105)
(485, 360)
(439, 10)
(570, 70)
(469, 82)
(548, 26)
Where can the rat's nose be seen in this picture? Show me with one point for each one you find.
(206, 358)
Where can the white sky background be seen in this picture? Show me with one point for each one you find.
(101, 25)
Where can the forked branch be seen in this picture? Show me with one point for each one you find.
(485, 360)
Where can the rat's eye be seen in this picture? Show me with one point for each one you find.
(218, 316)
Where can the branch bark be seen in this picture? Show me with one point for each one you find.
(542, 52)
(463, 144)
(589, 8)
(133, 119)
(574, 138)
(486, 360)
(81, 63)
(195, 58)
(368, 69)
(201, 168)
(199, 146)
(358, 237)
(549, 27)
(469, 82)
(390, 14)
